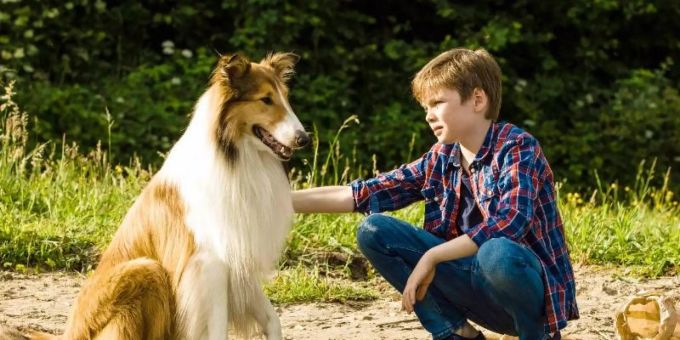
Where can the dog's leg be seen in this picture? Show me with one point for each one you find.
(132, 300)
(216, 298)
(202, 297)
(266, 316)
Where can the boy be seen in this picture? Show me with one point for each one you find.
(492, 229)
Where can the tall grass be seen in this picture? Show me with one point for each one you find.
(637, 227)
(60, 206)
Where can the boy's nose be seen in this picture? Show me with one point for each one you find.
(430, 118)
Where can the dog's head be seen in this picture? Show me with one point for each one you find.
(256, 104)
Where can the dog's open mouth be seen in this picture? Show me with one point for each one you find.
(284, 152)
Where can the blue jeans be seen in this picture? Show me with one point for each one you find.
(499, 288)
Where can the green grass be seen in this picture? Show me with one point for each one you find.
(636, 228)
(304, 284)
(59, 208)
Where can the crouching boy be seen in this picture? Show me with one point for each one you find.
(492, 249)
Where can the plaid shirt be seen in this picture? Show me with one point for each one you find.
(512, 184)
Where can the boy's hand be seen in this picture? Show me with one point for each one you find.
(417, 283)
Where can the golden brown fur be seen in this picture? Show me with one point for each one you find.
(131, 293)
(132, 290)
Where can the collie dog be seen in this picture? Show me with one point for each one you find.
(188, 260)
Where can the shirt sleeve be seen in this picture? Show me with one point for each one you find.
(391, 190)
(518, 183)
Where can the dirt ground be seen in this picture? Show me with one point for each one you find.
(42, 302)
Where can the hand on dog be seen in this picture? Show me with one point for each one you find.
(417, 284)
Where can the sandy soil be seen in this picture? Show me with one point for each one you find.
(42, 302)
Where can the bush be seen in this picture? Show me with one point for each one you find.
(589, 79)
(142, 113)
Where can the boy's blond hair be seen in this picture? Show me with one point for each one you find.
(462, 70)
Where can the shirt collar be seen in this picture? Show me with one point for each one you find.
(454, 155)
(488, 142)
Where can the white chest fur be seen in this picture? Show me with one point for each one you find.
(242, 213)
(239, 216)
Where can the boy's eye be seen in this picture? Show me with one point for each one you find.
(267, 100)
(432, 104)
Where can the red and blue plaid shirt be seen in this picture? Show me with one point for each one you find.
(513, 187)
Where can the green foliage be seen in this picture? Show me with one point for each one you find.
(144, 111)
(633, 122)
(592, 80)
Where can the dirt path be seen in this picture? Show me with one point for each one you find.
(43, 301)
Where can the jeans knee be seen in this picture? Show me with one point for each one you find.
(369, 229)
(494, 250)
(499, 259)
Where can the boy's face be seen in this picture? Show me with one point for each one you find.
(451, 120)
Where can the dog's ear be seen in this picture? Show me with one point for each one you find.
(232, 68)
(282, 63)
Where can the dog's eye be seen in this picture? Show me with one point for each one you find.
(267, 100)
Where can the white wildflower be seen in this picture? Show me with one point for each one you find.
(168, 47)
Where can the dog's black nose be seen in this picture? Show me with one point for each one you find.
(301, 139)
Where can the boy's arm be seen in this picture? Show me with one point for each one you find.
(330, 199)
(423, 273)
(394, 189)
(387, 191)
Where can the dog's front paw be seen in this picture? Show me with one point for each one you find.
(273, 331)
(273, 335)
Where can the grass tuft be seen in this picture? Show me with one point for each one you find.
(306, 284)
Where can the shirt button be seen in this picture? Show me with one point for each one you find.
(436, 199)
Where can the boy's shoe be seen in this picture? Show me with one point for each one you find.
(557, 336)
(479, 336)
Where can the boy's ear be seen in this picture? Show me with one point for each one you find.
(480, 100)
